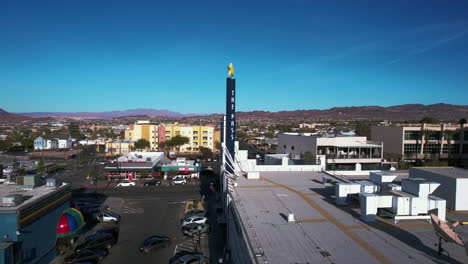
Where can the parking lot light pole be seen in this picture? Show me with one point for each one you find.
(199, 236)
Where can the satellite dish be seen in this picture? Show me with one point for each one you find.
(446, 233)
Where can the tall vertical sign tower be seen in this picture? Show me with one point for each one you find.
(230, 136)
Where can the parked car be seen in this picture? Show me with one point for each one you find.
(152, 182)
(114, 231)
(195, 212)
(154, 243)
(195, 229)
(107, 216)
(185, 257)
(103, 240)
(86, 255)
(194, 219)
(178, 181)
(126, 183)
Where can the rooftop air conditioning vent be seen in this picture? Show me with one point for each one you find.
(12, 200)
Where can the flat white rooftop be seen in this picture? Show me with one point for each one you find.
(324, 232)
(30, 195)
(449, 172)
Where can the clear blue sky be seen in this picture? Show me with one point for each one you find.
(117, 54)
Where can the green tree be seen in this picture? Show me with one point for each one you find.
(162, 146)
(74, 130)
(270, 134)
(40, 166)
(217, 145)
(142, 144)
(449, 136)
(462, 121)
(429, 120)
(308, 157)
(206, 152)
(177, 141)
(5, 144)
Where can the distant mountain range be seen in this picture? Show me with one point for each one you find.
(5, 116)
(398, 112)
(110, 114)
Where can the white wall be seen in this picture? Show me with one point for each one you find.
(461, 197)
(447, 189)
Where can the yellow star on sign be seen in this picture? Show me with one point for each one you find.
(231, 70)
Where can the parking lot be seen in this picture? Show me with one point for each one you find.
(147, 211)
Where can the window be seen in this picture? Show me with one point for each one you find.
(195, 149)
(284, 146)
(205, 138)
(412, 135)
(412, 148)
(205, 143)
(465, 148)
(431, 148)
(167, 138)
(168, 132)
(292, 147)
(195, 138)
(205, 132)
(195, 132)
(195, 143)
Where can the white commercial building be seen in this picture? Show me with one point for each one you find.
(341, 152)
(454, 184)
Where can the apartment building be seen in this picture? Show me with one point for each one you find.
(144, 130)
(199, 136)
(415, 141)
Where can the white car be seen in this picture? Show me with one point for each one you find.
(179, 181)
(107, 216)
(194, 219)
(126, 183)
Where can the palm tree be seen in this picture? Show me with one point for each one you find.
(426, 133)
(449, 135)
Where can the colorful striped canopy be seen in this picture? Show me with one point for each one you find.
(70, 222)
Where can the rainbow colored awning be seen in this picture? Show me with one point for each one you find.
(70, 222)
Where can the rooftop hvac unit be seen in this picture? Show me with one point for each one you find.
(12, 200)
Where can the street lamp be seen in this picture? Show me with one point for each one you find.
(199, 235)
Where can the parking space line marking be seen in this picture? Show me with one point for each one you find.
(258, 186)
(364, 244)
(311, 220)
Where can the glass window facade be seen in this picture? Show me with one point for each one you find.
(431, 148)
(412, 135)
(412, 148)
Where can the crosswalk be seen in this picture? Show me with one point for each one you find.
(131, 209)
(189, 245)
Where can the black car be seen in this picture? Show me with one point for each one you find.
(114, 231)
(87, 255)
(152, 182)
(185, 257)
(194, 212)
(102, 240)
(154, 242)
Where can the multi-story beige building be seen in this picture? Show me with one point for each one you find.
(199, 136)
(119, 147)
(144, 130)
(415, 141)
